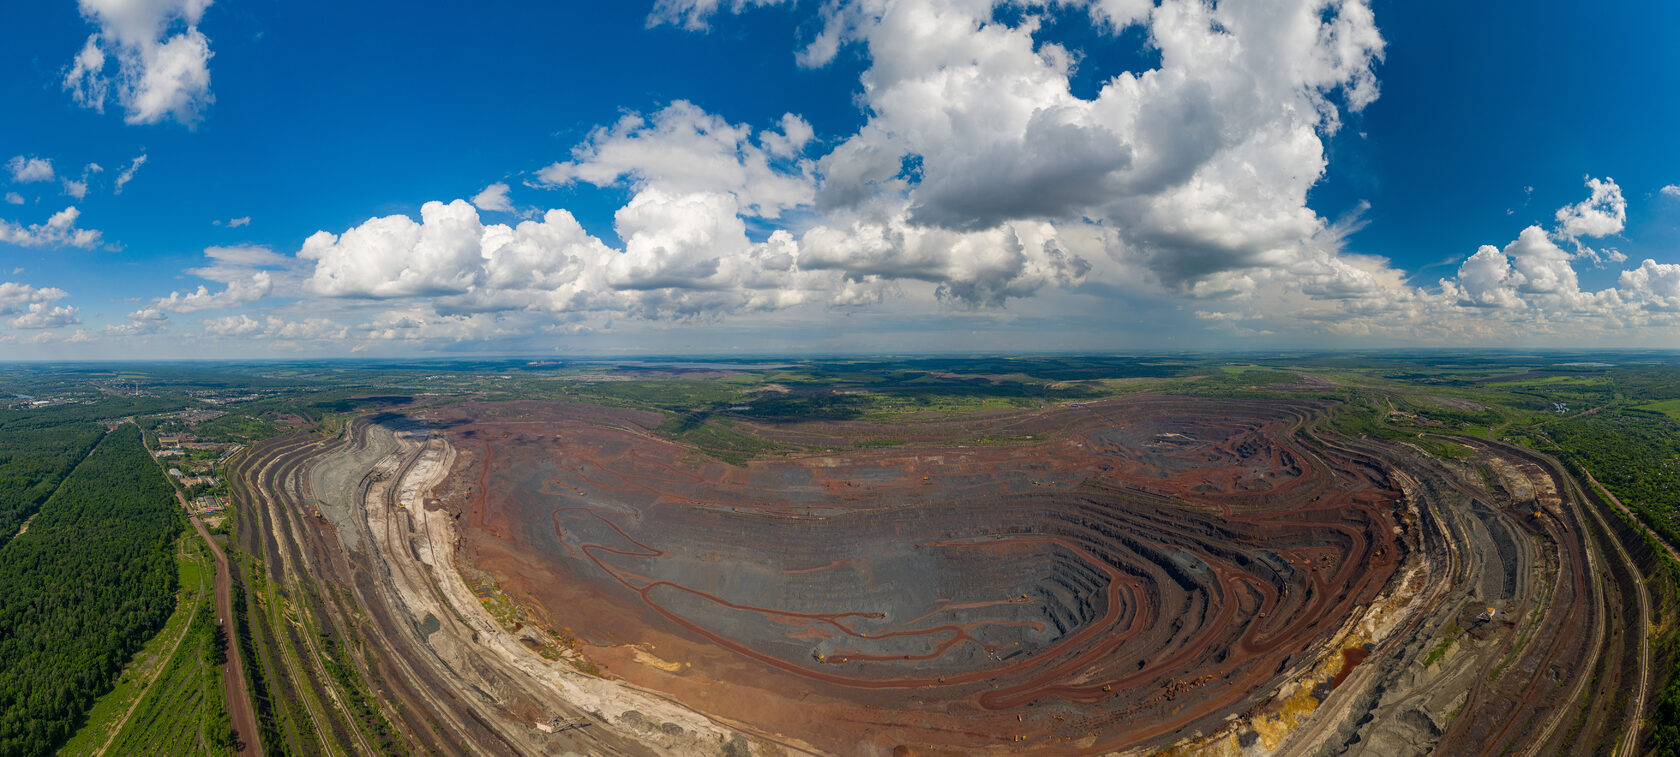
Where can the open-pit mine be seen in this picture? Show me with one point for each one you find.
(1125, 575)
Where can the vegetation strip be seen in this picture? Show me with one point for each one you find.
(83, 590)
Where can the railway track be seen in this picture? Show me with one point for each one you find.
(262, 507)
(1582, 506)
(266, 487)
(1629, 743)
(283, 512)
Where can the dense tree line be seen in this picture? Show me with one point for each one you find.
(83, 590)
(33, 459)
(1636, 455)
(39, 446)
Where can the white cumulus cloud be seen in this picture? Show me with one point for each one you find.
(14, 296)
(163, 60)
(494, 198)
(1527, 291)
(30, 169)
(58, 231)
(1653, 285)
(1533, 264)
(41, 316)
(237, 292)
(1601, 215)
(35, 308)
(1202, 164)
(682, 149)
(981, 177)
(395, 256)
(978, 178)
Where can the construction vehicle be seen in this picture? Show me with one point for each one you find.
(558, 724)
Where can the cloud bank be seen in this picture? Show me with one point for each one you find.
(980, 185)
(978, 177)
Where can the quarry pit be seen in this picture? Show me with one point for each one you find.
(1127, 575)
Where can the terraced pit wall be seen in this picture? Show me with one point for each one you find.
(1148, 572)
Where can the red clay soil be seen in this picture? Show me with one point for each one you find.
(240, 712)
(1144, 568)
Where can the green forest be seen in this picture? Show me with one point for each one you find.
(82, 590)
(33, 459)
(1636, 455)
(38, 447)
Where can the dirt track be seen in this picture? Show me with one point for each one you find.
(240, 712)
(244, 717)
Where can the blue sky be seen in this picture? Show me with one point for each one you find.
(866, 175)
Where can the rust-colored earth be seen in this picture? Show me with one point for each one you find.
(1143, 569)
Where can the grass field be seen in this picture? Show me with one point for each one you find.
(184, 712)
(196, 572)
(1670, 408)
(1555, 381)
(717, 438)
